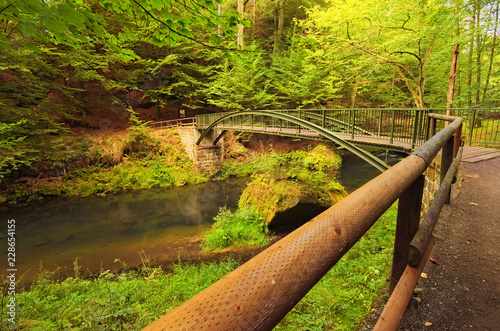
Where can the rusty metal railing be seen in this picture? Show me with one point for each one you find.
(172, 123)
(258, 294)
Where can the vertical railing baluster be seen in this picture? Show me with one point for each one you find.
(391, 138)
(471, 126)
(379, 132)
(353, 121)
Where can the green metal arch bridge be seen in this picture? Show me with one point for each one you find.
(399, 129)
(312, 124)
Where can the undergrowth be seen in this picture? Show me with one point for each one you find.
(128, 301)
(244, 227)
(135, 298)
(137, 161)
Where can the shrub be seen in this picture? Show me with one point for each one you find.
(244, 227)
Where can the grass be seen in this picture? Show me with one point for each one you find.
(345, 295)
(136, 298)
(129, 301)
(244, 227)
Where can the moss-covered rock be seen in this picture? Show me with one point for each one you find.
(287, 179)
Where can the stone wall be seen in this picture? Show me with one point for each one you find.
(207, 157)
(432, 181)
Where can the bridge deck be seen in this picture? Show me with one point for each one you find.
(475, 154)
(365, 140)
(471, 153)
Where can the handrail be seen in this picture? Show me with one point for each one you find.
(258, 294)
(174, 122)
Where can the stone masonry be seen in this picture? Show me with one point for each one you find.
(206, 156)
(432, 181)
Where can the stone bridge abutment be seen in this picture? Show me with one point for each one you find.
(206, 156)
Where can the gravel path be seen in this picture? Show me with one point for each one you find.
(462, 289)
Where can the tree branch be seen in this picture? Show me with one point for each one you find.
(1, 11)
(185, 36)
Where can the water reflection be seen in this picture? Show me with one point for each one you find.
(355, 172)
(98, 230)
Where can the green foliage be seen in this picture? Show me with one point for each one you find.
(130, 300)
(11, 155)
(137, 125)
(134, 299)
(244, 227)
(74, 23)
(136, 161)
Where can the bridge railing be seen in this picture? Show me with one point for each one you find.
(481, 126)
(173, 123)
(408, 125)
(258, 294)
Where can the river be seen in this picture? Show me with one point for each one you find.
(131, 228)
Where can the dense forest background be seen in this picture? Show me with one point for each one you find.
(69, 67)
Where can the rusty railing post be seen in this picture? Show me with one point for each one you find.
(432, 127)
(408, 219)
(457, 141)
(446, 161)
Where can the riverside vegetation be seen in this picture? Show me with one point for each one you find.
(131, 299)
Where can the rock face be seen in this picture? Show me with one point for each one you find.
(137, 99)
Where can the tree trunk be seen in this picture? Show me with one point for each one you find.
(492, 55)
(458, 86)
(451, 84)
(471, 51)
(278, 24)
(219, 10)
(241, 10)
(478, 58)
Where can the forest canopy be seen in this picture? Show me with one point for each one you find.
(88, 63)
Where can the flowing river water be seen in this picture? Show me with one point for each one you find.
(156, 225)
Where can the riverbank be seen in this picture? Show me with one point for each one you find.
(133, 299)
(114, 163)
(276, 165)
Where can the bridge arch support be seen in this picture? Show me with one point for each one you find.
(373, 160)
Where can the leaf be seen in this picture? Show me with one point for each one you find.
(31, 47)
(433, 260)
(428, 323)
(472, 204)
(423, 275)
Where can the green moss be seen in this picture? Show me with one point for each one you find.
(269, 196)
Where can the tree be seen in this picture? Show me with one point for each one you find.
(77, 22)
(403, 35)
